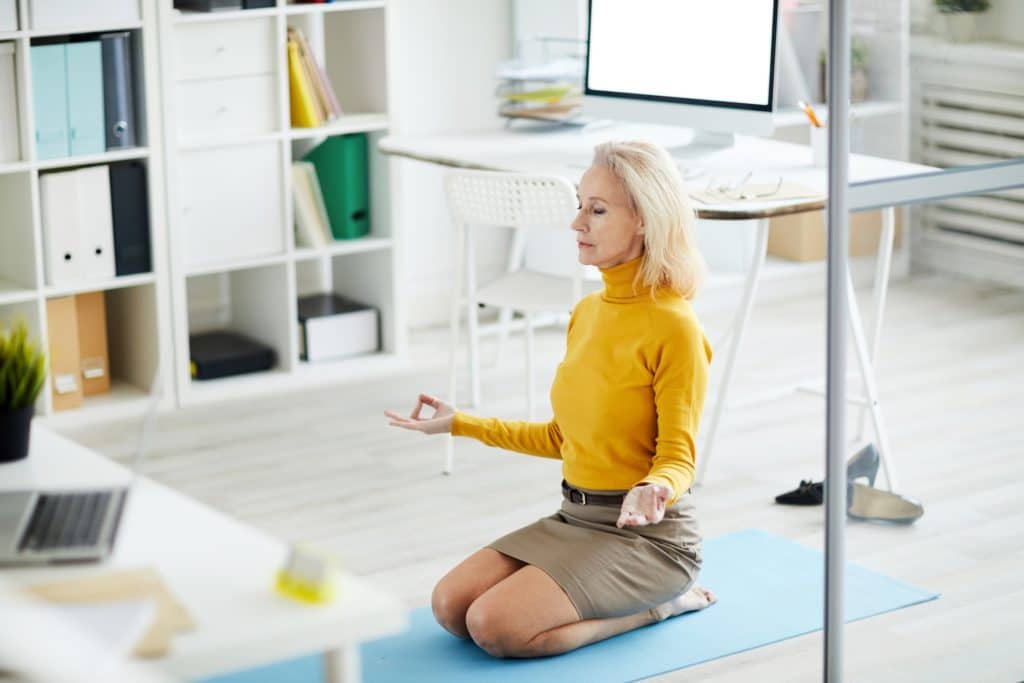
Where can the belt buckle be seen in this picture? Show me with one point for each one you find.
(576, 493)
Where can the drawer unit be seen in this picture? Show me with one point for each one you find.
(220, 49)
(227, 107)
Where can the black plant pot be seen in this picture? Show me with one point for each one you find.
(15, 427)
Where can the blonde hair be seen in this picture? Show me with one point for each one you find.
(656, 192)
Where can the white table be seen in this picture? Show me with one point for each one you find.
(221, 570)
(567, 152)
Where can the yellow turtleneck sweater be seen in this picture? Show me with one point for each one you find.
(628, 396)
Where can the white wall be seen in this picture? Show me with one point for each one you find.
(442, 57)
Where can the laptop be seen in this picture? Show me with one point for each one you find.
(69, 525)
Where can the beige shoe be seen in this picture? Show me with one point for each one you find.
(865, 502)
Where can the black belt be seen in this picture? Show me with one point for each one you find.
(574, 495)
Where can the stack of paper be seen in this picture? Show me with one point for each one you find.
(312, 227)
(313, 101)
(550, 90)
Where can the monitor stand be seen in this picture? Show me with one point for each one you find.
(702, 144)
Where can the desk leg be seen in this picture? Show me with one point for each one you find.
(738, 325)
(867, 373)
(883, 261)
(342, 665)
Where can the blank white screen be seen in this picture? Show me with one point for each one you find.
(695, 49)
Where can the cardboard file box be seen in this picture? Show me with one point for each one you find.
(331, 326)
(65, 356)
(801, 236)
(222, 354)
(91, 315)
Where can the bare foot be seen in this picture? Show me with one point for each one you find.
(697, 598)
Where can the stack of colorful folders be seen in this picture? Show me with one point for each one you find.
(549, 91)
(313, 101)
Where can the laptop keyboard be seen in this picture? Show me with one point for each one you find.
(66, 520)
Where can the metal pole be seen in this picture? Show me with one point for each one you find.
(838, 232)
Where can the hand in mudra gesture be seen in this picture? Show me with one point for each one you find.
(439, 423)
(644, 504)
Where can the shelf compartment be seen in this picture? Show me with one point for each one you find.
(366, 277)
(340, 247)
(253, 302)
(106, 285)
(336, 6)
(188, 17)
(96, 28)
(350, 123)
(17, 242)
(93, 159)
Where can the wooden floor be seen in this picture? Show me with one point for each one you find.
(324, 467)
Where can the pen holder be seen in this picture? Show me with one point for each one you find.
(819, 145)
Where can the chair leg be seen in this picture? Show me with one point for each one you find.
(472, 321)
(516, 253)
(453, 348)
(530, 389)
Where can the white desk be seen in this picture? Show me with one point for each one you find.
(221, 570)
(567, 152)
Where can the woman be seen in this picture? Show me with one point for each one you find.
(624, 550)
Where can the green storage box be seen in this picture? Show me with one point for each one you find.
(342, 167)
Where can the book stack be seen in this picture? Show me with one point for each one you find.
(313, 101)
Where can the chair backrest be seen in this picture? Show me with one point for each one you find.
(541, 206)
(511, 200)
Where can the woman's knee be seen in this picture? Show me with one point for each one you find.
(489, 629)
(449, 606)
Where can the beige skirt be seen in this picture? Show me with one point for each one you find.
(607, 571)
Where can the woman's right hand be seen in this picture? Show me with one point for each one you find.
(439, 423)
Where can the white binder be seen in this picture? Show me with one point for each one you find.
(10, 150)
(78, 235)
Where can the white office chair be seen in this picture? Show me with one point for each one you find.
(486, 199)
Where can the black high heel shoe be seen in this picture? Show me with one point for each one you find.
(864, 463)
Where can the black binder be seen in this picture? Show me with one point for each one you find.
(224, 353)
(118, 90)
(129, 207)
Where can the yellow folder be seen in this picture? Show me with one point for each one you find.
(303, 105)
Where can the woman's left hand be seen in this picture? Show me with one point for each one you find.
(644, 504)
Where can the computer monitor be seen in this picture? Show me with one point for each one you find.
(705, 65)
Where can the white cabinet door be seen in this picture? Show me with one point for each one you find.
(227, 107)
(10, 150)
(231, 204)
(221, 48)
(8, 16)
(47, 14)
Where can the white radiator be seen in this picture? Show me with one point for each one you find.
(968, 108)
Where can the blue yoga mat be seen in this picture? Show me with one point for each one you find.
(769, 589)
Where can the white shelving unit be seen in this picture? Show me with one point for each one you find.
(234, 263)
(137, 306)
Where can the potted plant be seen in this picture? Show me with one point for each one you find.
(22, 373)
(858, 71)
(959, 17)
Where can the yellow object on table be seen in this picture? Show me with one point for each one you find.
(308, 576)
